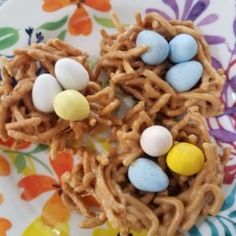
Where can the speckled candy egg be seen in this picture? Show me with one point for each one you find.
(71, 74)
(156, 140)
(183, 47)
(147, 176)
(184, 76)
(185, 159)
(71, 105)
(158, 47)
(44, 91)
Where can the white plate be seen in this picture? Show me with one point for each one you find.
(26, 176)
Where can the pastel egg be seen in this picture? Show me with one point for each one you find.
(183, 47)
(71, 74)
(185, 159)
(147, 176)
(184, 76)
(71, 105)
(158, 47)
(44, 91)
(156, 140)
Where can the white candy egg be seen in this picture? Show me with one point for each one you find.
(44, 91)
(71, 74)
(156, 140)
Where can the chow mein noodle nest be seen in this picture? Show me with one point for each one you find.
(22, 121)
(103, 176)
(170, 212)
(120, 58)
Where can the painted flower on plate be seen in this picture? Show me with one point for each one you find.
(230, 174)
(5, 225)
(80, 22)
(4, 167)
(54, 211)
(192, 10)
(11, 143)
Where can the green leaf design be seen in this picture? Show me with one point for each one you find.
(194, 231)
(8, 37)
(54, 25)
(229, 201)
(20, 162)
(214, 231)
(28, 155)
(62, 35)
(105, 22)
(39, 148)
(232, 214)
(41, 163)
(226, 229)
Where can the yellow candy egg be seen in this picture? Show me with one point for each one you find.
(71, 105)
(185, 159)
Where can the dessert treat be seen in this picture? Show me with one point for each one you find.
(136, 192)
(154, 135)
(183, 47)
(158, 48)
(71, 74)
(184, 76)
(147, 176)
(71, 105)
(44, 91)
(185, 159)
(29, 87)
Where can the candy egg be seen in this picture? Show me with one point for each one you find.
(44, 91)
(147, 176)
(183, 76)
(183, 47)
(185, 159)
(158, 47)
(71, 105)
(71, 74)
(156, 140)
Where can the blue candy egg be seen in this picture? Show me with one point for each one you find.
(147, 176)
(183, 76)
(183, 47)
(158, 47)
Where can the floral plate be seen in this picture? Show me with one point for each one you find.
(29, 182)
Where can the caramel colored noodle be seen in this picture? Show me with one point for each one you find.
(103, 176)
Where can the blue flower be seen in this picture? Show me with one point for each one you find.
(39, 37)
(29, 30)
